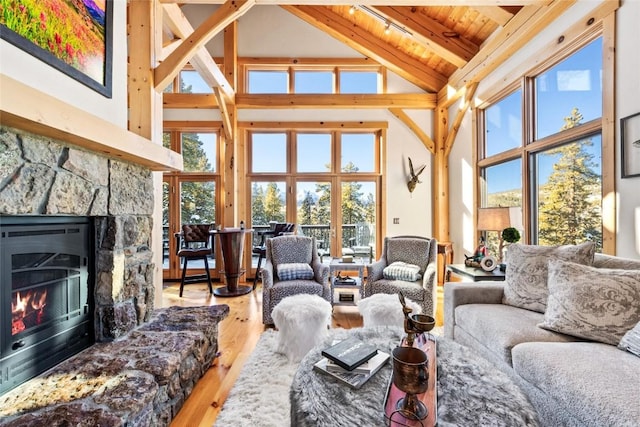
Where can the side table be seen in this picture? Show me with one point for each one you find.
(473, 274)
(336, 266)
(232, 245)
(445, 257)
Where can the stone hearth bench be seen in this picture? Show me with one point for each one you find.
(141, 379)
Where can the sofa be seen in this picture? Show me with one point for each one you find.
(575, 373)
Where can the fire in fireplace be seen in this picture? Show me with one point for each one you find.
(46, 297)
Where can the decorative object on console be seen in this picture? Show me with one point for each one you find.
(411, 375)
(499, 219)
(413, 178)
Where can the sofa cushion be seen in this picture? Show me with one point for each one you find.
(402, 271)
(631, 341)
(295, 271)
(500, 327)
(526, 276)
(599, 304)
(594, 382)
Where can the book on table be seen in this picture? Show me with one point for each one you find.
(368, 367)
(354, 378)
(350, 353)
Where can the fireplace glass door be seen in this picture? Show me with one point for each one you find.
(45, 294)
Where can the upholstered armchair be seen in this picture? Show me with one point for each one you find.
(292, 267)
(382, 278)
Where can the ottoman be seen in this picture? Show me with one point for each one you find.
(302, 322)
(385, 310)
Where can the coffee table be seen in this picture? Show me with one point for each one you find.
(470, 390)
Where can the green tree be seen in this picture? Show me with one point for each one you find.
(273, 203)
(305, 211)
(322, 213)
(352, 205)
(258, 214)
(570, 202)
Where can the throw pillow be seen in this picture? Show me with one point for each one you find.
(294, 271)
(526, 276)
(402, 271)
(598, 304)
(631, 341)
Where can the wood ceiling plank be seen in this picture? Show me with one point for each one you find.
(497, 14)
(196, 41)
(505, 42)
(429, 32)
(342, 29)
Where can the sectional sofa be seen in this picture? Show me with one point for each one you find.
(565, 325)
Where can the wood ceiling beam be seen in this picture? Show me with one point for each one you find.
(453, 132)
(406, 66)
(324, 101)
(370, 2)
(530, 20)
(497, 14)
(415, 128)
(193, 47)
(430, 33)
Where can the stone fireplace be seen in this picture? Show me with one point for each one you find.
(151, 359)
(41, 176)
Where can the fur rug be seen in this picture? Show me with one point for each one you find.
(260, 396)
(470, 390)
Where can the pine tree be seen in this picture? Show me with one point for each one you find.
(273, 203)
(305, 211)
(570, 202)
(258, 216)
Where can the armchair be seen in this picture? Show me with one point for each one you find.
(420, 251)
(281, 253)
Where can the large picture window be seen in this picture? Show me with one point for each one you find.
(540, 148)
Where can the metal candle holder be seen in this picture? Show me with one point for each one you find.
(415, 323)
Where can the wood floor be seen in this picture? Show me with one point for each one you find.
(238, 335)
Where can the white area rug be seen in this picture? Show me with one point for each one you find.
(260, 396)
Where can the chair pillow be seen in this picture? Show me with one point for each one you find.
(599, 304)
(402, 271)
(526, 277)
(631, 341)
(295, 271)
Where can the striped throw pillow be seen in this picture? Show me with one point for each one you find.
(295, 271)
(631, 341)
(402, 271)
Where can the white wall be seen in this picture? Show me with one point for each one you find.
(270, 31)
(29, 70)
(627, 102)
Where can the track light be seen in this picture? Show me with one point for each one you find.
(388, 25)
(352, 10)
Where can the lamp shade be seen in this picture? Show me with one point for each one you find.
(497, 219)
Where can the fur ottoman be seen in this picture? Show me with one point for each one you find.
(302, 321)
(385, 310)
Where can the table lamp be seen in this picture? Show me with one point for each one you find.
(497, 219)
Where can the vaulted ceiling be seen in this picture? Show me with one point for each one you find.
(455, 42)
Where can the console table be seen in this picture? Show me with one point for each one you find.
(232, 245)
(473, 274)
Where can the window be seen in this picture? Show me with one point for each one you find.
(295, 177)
(268, 81)
(265, 76)
(192, 82)
(554, 171)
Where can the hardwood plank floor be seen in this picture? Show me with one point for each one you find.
(237, 337)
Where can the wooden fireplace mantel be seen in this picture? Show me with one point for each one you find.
(28, 109)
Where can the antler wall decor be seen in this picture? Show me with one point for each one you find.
(413, 181)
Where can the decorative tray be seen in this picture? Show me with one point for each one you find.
(427, 343)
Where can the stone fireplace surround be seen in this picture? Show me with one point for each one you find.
(145, 362)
